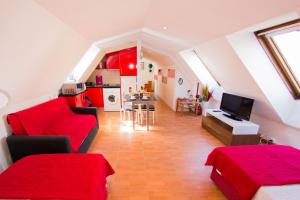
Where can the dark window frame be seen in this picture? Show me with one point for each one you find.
(275, 55)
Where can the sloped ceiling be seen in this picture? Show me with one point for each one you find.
(172, 26)
(96, 19)
(38, 51)
(191, 20)
(227, 69)
(201, 20)
(160, 58)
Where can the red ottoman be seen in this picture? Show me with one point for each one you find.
(56, 176)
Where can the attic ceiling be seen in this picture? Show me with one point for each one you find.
(158, 57)
(191, 20)
(167, 27)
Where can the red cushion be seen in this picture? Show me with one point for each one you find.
(37, 119)
(75, 126)
(56, 176)
(16, 124)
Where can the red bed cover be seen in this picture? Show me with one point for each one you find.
(247, 168)
(57, 176)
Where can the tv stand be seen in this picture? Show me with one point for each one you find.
(232, 117)
(230, 131)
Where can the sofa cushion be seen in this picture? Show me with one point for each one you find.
(16, 125)
(75, 126)
(35, 120)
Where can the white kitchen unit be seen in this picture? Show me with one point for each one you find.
(112, 100)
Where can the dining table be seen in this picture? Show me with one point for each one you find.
(144, 101)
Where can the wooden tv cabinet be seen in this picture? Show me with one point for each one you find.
(229, 131)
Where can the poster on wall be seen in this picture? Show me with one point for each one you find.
(171, 73)
(164, 79)
(155, 77)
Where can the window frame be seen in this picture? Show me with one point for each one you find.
(213, 77)
(275, 55)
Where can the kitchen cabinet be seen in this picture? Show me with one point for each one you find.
(128, 61)
(125, 60)
(77, 100)
(95, 95)
(112, 61)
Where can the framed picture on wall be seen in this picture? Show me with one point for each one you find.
(180, 81)
(171, 73)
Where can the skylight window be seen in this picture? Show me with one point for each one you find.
(84, 63)
(289, 45)
(197, 66)
(282, 44)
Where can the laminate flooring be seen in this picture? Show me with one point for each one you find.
(165, 163)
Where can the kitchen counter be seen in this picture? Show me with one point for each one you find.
(67, 95)
(104, 86)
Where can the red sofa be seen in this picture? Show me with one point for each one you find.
(51, 127)
(56, 176)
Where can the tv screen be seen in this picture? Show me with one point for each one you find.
(238, 107)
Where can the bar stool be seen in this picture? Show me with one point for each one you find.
(151, 110)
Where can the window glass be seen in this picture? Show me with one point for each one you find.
(282, 45)
(198, 67)
(289, 46)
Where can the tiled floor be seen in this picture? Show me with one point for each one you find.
(166, 163)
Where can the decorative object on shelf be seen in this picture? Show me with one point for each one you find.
(206, 94)
(204, 100)
(4, 99)
(99, 80)
(171, 73)
(150, 67)
(155, 77)
(180, 81)
(189, 94)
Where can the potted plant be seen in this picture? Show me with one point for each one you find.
(204, 100)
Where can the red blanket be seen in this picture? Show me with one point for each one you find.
(247, 168)
(53, 117)
(56, 176)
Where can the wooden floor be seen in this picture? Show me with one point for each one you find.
(166, 163)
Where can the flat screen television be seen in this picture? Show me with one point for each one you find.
(237, 107)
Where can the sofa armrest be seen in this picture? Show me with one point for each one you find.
(21, 146)
(86, 111)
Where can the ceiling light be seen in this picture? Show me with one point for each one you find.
(131, 66)
(165, 28)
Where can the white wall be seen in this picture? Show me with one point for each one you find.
(108, 76)
(143, 75)
(166, 92)
(279, 132)
(37, 52)
(240, 65)
(189, 81)
(228, 69)
(172, 90)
